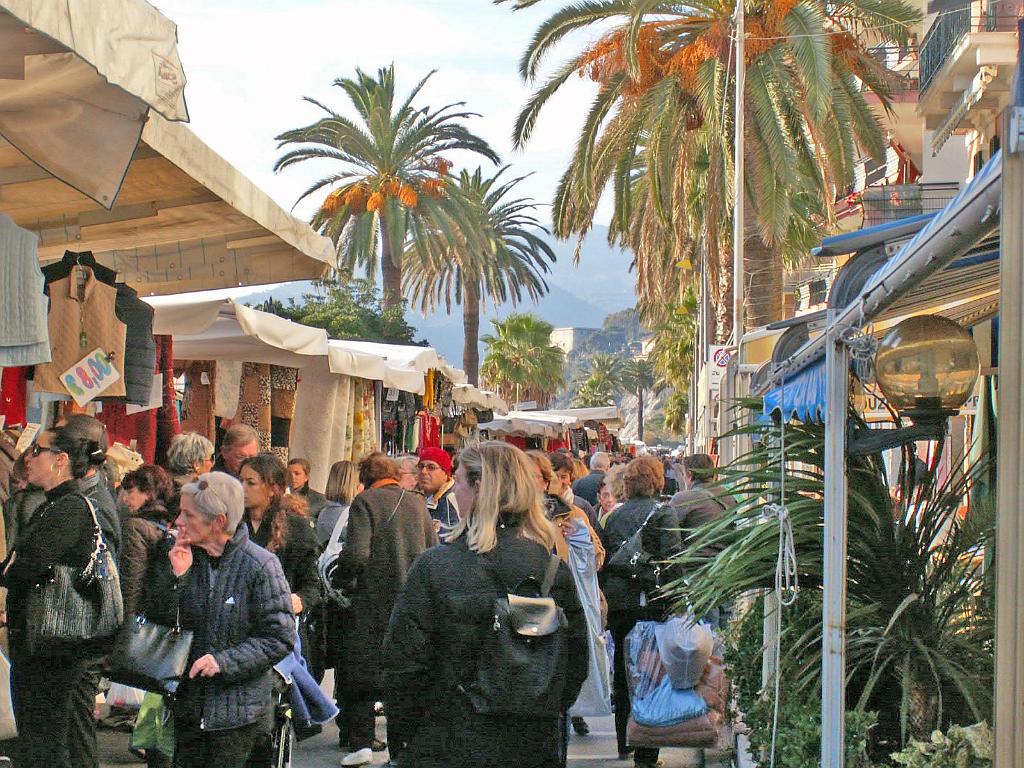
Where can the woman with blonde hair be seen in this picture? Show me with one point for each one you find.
(444, 612)
(342, 487)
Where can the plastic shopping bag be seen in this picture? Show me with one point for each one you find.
(124, 697)
(655, 702)
(8, 727)
(685, 647)
(154, 727)
(596, 694)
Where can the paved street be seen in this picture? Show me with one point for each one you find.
(594, 751)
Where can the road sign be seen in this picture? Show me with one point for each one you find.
(719, 357)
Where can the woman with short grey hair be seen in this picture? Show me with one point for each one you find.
(189, 455)
(232, 594)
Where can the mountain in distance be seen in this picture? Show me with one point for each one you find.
(579, 296)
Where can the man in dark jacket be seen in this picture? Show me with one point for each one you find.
(587, 487)
(240, 443)
(298, 483)
(388, 527)
(233, 595)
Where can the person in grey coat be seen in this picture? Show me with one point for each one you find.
(233, 595)
(388, 528)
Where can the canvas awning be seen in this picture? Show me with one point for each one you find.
(344, 359)
(77, 80)
(607, 415)
(521, 425)
(467, 394)
(186, 220)
(402, 356)
(220, 329)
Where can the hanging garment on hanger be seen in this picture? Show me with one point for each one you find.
(24, 336)
(139, 347)
(13, 395)
(61, 269)
(82, 319)
(197, 406)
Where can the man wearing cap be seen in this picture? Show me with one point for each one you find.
(435, 482)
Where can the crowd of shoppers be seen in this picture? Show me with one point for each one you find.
(228, 543)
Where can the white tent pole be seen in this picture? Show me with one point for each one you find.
(833, 683)
(1009, 669)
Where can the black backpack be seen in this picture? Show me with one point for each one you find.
(523, 657)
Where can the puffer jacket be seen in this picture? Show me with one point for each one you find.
(95, 488)
(140, 534)
(139, 345)
(244, 618)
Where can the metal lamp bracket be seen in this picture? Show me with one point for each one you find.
(863, 347)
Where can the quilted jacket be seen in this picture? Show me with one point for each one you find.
(241, 613)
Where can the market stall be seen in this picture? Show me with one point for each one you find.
(77, 82)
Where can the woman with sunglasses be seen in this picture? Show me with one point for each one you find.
(44, 688)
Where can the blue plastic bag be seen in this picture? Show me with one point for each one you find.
(655, 703)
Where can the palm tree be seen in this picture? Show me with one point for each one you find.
(521, 362)
(600, 384)
(660, 130)
(391, 174)
(509, 262)
(638, 376)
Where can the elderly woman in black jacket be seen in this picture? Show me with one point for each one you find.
(438, 626)
(45, 687)
(234, 597)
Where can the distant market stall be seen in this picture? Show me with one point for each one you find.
(579, 429)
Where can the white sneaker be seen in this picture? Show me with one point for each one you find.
(359, 757)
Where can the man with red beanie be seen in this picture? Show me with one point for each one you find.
(435, 482)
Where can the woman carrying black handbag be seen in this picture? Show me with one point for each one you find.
(647, 534)
(60, 533)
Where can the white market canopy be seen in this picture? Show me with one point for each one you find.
(210, 327)
(186, 220)
(607, 415)
(467, 394)
(220, 329)
(531, 424)
(77, 81)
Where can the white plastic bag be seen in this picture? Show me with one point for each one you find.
(125, 697)
(685, 647)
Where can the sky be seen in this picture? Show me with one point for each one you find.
(249, 63)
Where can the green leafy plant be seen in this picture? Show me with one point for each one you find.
(959, 747)
(919, 616)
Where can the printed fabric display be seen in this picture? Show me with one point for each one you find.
(81, 319)
(24, 332)
(362, 411)
(283, 383)
(254, 401)
(197, 405)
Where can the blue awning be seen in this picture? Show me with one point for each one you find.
(802, 397)
(858, 240)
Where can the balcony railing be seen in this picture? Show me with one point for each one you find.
(900, 201)
(952, 26)
(903, 65)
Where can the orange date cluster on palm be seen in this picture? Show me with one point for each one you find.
(362, 198)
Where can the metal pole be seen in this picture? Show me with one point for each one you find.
(1009, 670)
(738, 291)
(833, 682)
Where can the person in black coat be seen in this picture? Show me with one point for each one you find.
(447, 604)
(298, 483)
(45, 688)
(629, 599)
(232, 594)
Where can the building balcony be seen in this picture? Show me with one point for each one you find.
(903, 65)
(892, 202)
(966, 61)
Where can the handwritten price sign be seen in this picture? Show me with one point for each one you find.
(90, 377)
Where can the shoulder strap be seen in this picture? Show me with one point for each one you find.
(655, 508)
(549, 575)
(338, 525)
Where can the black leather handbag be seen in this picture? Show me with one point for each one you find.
(150, 656)
(71, 606)
(632, 560)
